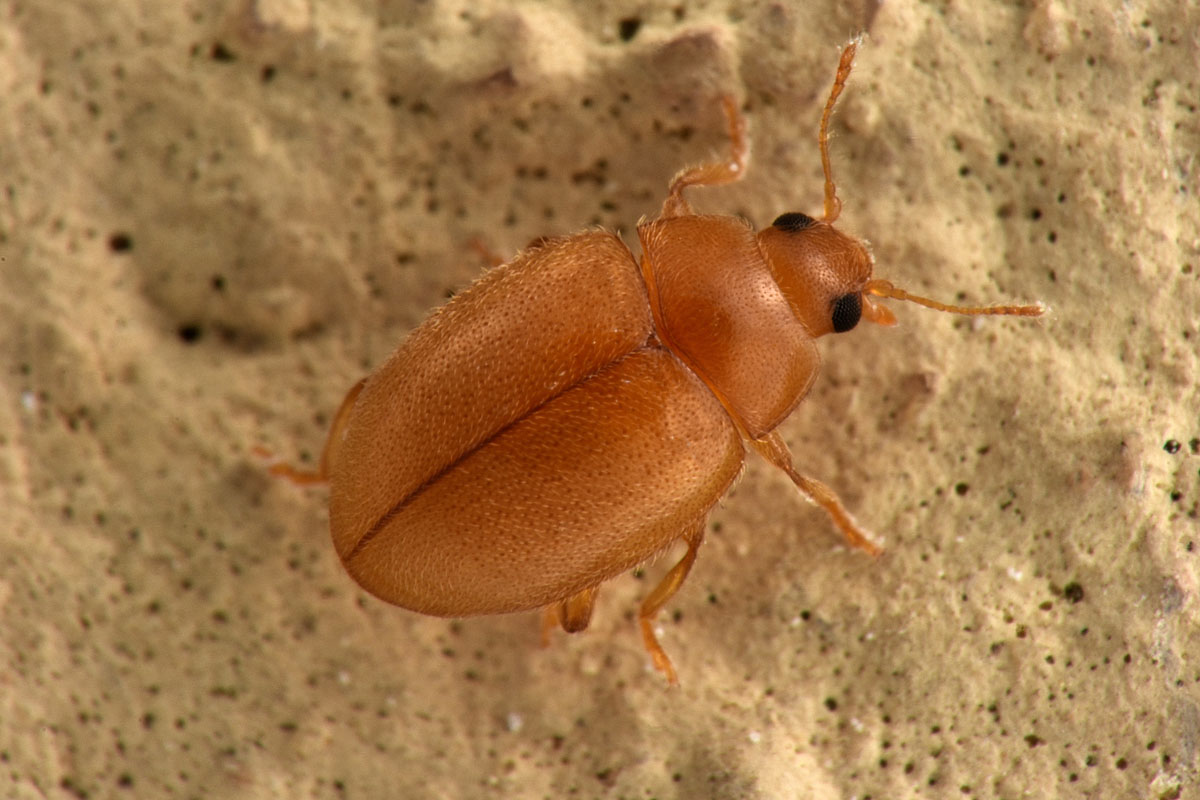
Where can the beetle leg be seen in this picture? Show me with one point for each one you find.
(549, 623)
(661, 595)
(302, 477)
(772, 448)
(493, 258)
(575, 612)
(489, 256)
(714, 173)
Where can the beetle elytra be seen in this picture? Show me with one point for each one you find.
(576, 411)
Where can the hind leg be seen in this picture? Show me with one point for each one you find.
(661, 595)
(574, 614)
(303, 477)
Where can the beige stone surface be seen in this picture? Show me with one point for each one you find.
(216, 216)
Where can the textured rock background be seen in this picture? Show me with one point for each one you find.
(216, 216)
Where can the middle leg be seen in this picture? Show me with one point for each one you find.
(772, 448)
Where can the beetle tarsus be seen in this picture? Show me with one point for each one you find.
(300, 477)
(280, 469)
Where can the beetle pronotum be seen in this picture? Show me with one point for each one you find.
(575, 412)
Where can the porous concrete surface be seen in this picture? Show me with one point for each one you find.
(216, 216)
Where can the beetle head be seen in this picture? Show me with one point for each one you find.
(825, 274)
(822, 272)
(826, 277)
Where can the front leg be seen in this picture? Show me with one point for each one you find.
(714, 173)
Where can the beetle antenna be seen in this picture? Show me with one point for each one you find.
(882, 288)
(833, 206)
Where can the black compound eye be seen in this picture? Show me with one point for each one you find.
(793, 221)
(847, 311)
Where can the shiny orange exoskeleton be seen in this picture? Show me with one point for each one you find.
(574, 413)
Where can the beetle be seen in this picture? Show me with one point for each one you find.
(577, 411)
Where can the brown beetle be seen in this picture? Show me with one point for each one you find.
(573, 413)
